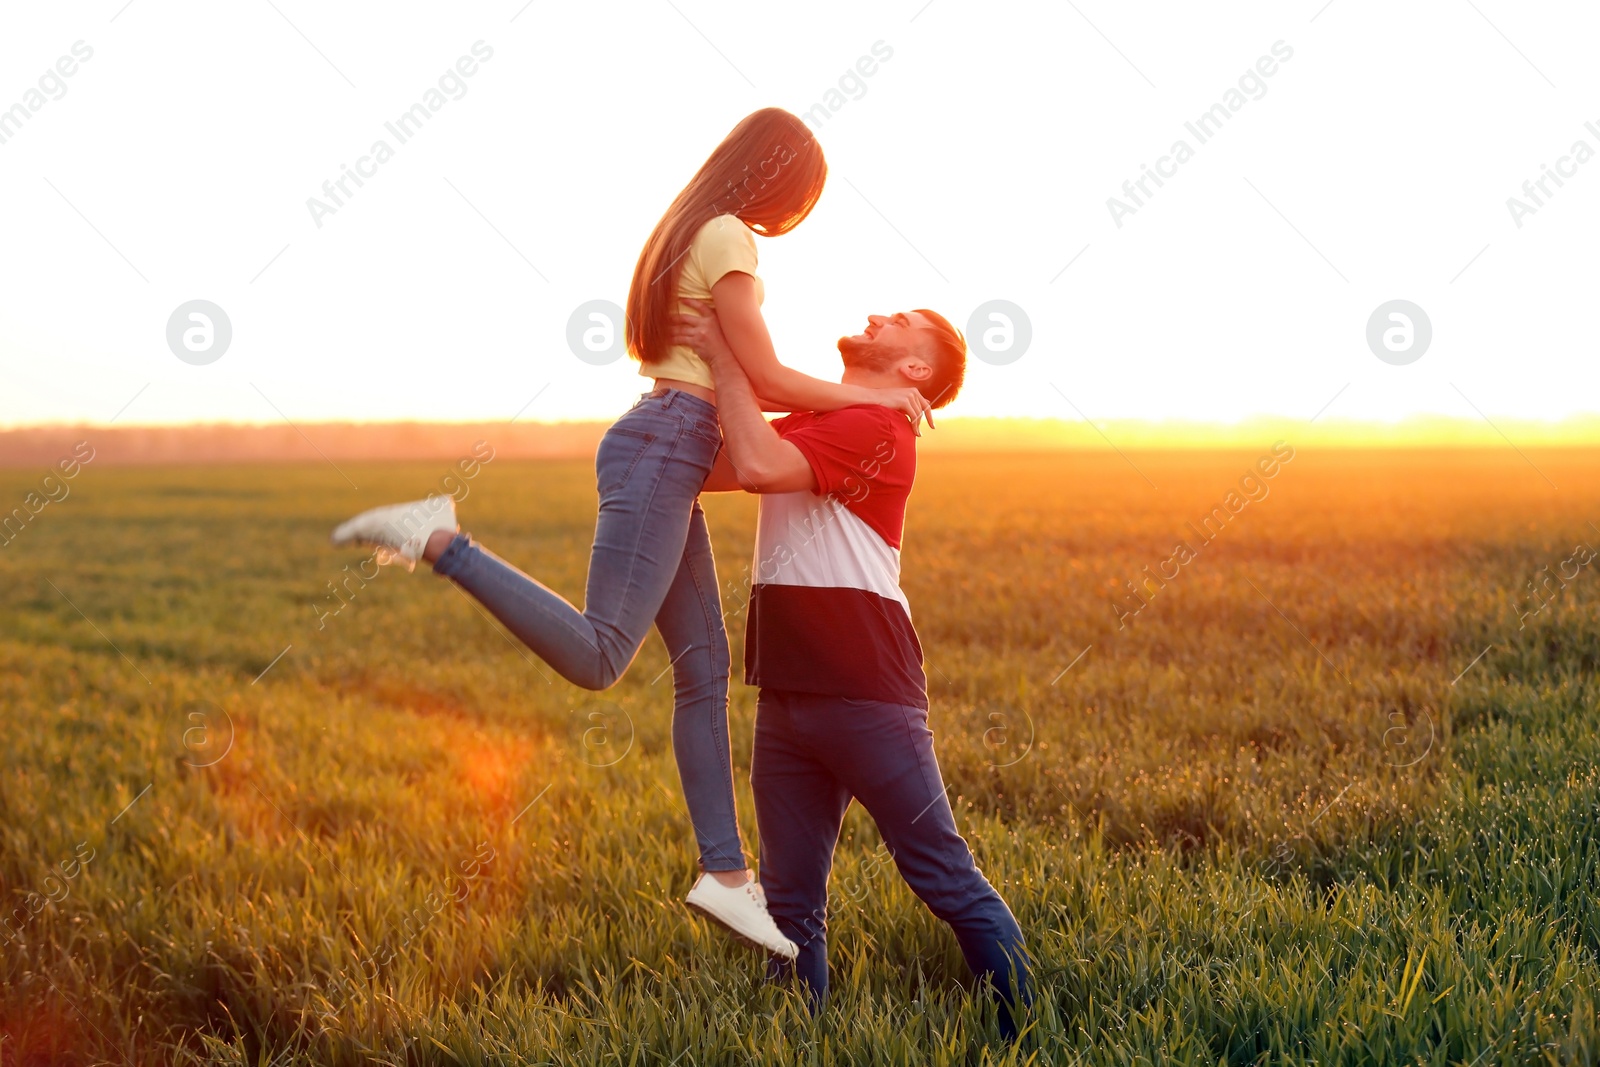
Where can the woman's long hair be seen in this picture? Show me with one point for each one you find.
(769, 172)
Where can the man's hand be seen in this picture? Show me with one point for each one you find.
(701, 332)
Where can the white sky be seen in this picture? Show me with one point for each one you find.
(976, 165)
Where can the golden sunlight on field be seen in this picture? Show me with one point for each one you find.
(1279, 753)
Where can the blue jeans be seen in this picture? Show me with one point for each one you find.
(813, 753)
(651, 562)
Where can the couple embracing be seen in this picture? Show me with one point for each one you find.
(843, 710)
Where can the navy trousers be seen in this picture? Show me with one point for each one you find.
(813, 754)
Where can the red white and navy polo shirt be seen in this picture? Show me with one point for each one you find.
(826, 612)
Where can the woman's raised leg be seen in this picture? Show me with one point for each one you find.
(650, 467)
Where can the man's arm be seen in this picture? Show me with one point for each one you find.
(723, 478)
(760, 460)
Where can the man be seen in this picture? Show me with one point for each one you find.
(843, 708)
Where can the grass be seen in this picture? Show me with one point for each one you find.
(1319, 801)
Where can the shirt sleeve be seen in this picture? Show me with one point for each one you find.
(724, 245)
(851, 448)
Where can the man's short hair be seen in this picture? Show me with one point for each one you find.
(948, 358)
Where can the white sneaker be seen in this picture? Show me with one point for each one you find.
(743, 911)
(400, 531)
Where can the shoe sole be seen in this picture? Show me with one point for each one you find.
(342, 537)
(742, 938)
(343, 534)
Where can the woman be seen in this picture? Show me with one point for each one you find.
(652, 560)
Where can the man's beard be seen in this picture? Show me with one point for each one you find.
(863, 355)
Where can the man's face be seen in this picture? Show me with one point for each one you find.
(887, 340)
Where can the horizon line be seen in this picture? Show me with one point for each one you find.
(1590, 419)
(415, 439)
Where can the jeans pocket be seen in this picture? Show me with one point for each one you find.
(619, 453)
(709, 432)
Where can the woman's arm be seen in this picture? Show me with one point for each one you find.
(784, 388)
(760, 460)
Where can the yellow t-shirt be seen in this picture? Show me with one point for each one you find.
(722, 245)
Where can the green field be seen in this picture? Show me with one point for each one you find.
(1264, 821)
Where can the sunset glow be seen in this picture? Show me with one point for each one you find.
(439, 283)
